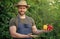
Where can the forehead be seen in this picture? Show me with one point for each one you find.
(22, 6)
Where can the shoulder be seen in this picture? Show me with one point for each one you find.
(30, 18)
(13, 19)
(13, 22)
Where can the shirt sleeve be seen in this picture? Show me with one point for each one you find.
(12, 22)
(33, 22)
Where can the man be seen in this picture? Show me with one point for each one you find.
(22, 26)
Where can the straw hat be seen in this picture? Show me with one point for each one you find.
(22, 3)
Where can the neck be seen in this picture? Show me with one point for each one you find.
(22, 16)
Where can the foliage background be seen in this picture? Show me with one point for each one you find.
(42, 11)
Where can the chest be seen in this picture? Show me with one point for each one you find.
(24, 26)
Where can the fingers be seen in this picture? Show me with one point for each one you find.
(34, 36)
(30, 34)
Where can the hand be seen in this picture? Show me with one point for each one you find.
(33, 36)
(41, 31)
(45, 31)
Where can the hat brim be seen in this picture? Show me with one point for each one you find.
(28, 6)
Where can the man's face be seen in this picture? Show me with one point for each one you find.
(22, 10)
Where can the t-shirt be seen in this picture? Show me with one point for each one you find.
(27, 20)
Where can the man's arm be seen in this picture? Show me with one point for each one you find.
(14, 34)
(36, 31)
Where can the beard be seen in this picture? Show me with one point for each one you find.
(21, 13)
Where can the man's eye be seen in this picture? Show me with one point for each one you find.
(23, 8)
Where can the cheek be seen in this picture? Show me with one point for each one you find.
(25, 10)
(19, 9)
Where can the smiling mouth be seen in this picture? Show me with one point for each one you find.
(22, 11)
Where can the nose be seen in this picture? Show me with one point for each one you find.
(21, 9)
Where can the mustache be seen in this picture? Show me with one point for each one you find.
(21, 11)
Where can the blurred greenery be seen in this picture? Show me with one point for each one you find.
(42, 11)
